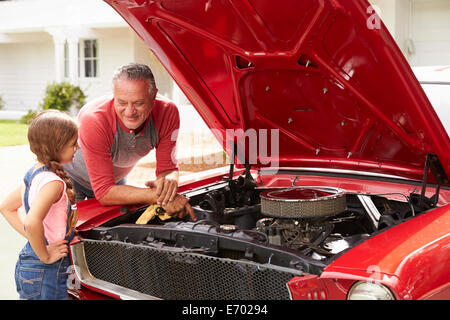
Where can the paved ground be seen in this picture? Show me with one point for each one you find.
(14, 162)
(193, 150)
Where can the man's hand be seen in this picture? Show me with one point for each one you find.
(166, 187)
(180, 207)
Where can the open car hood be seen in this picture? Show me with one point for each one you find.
(323, 77)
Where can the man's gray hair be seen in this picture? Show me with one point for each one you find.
(136, 71)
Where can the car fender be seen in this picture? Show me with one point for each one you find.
(412, 258)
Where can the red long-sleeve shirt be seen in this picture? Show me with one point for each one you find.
(109, 150)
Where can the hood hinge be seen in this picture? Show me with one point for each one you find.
(249, 182)
(432, 164)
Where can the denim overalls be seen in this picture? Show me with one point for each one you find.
(36, 280)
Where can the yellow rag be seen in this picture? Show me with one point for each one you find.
(151, 212)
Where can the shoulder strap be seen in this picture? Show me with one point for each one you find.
(27, 180)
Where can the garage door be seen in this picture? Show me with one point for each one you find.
(431, 32)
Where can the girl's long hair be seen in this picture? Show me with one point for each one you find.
(48, 133)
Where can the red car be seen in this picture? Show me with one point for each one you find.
(338, 185)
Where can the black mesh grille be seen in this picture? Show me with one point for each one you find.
(175, 275)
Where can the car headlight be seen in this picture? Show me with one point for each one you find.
(363, 290)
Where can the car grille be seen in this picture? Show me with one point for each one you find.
(167, 274)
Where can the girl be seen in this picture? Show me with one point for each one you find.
(47, 196)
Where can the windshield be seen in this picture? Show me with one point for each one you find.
(439, 95)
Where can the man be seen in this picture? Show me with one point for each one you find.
(115, 132)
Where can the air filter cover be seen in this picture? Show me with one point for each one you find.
(303, 202)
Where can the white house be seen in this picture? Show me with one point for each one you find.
(83, 41)
(421, 29)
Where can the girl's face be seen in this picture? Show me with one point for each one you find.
(68, 151)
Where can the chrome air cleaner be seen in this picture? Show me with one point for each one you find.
(303, 202)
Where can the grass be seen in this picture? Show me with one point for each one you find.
(13, 133)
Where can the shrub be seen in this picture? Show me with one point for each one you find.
(28, 117)
(2, 103)
(62, 96)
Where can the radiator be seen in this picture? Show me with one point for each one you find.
(179, 275)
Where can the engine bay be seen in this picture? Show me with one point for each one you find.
(316, 221)
(302, 228)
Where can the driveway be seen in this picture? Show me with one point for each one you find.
(14, 162)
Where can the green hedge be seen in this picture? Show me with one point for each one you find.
(2, 102)
(60, 96)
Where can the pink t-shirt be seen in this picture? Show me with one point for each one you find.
(55, 221)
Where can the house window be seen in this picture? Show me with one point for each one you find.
(88, 62)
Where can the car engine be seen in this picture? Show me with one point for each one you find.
(317, 221)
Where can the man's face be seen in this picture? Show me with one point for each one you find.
(132, 101)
